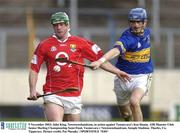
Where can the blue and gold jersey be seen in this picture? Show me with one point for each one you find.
(135, 53)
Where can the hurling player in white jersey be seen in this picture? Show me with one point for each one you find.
(134, 57)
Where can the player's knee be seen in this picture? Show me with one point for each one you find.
(134, 103)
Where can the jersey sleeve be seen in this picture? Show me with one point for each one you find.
(37, 58)
(124, 43)
(91, 51)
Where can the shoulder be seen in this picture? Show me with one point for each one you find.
(147, 31)
(127, 32)
(81, 40)
(46, 42)
(128, 36)
(78, 38)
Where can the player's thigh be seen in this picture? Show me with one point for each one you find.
(140, 87)
(53, 112)
(121, 92)
(142, 81)
(136, 96)
(71, 117)
(72, 105)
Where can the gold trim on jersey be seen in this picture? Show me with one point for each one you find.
(119, 43)
(138, 56)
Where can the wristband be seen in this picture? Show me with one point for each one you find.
(102, 59)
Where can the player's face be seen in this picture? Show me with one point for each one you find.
(61, 30)
(137, 26)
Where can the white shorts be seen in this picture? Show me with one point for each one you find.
(71, 105)
(123, 89)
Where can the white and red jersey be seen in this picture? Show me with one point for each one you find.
(70, 75)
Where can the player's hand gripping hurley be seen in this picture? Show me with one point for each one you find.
(73, 62)
(56, 92)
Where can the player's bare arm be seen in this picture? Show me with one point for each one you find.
(33, 76)
(107, 66)
(108, 56)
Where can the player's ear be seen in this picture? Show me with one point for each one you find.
(69, 28)
(145, 23)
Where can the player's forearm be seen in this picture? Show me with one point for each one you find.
(107, 66)
(110, 54)
(112, 69)
(33, 76)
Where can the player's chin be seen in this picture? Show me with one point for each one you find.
(136, 30)
(59, 35)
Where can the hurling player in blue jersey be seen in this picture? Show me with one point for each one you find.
(134, 57)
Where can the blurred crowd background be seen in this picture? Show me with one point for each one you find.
(24, 23)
